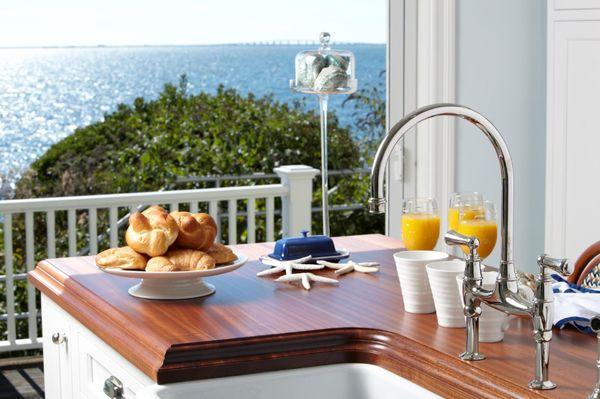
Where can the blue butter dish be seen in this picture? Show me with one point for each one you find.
(319, 247)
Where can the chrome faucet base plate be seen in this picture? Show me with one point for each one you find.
(542, 385)
(470, 356)
(595, 394)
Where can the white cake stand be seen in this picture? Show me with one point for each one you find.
(175, 285)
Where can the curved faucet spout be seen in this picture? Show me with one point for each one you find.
(377, 202)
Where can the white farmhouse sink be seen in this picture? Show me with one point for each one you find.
(341, 381)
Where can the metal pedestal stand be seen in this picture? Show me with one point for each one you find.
(323, 99)
(324, 72)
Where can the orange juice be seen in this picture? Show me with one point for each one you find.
(420, 231)
(453, 218)
(485, 230)
(465, 213)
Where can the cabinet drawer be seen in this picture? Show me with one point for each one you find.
(78, 367)
(98, 363)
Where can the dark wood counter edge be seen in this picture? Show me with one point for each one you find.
(429, 368)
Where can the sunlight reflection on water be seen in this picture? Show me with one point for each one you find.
(46, 93)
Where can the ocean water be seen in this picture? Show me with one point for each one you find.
(46, 93)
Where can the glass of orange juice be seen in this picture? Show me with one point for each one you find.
(480, 223)
(467, 202)
(420, 223)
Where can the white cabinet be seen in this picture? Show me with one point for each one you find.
(576, 4)
(573, 125)
(78, 363)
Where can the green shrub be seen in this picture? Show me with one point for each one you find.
(147, 145)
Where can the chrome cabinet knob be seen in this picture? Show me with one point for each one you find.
(58, 338)
(113, 387)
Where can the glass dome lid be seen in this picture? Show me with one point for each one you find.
(325, 71)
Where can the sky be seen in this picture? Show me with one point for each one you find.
(36, 23)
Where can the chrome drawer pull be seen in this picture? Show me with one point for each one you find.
(113, 388)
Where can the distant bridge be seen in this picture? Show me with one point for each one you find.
(291, 42)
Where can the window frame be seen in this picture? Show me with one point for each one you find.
(420, 71)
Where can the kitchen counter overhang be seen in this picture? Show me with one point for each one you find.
(254, 325)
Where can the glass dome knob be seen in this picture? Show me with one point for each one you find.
(324, 38)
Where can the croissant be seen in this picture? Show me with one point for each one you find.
(181, 259)
(152, 231)
(221, 253)
(122, 258)
(196, 230)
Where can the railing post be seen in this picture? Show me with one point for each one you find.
(297, 205)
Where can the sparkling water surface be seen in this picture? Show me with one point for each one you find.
(46, 93)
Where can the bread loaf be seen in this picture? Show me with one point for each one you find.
(196, 230)
(152, 231)
(181, 259)
(121, 258)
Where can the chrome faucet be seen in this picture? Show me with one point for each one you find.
(505, 295)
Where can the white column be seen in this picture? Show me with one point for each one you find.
(297, 205)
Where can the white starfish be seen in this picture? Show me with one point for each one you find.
(287, 266)
(306, 278)
(343, 268)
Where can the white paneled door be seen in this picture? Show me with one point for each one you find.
(573, 142)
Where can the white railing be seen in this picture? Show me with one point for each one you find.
(70, 223)
(219, 180)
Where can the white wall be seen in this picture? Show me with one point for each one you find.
(501, 72)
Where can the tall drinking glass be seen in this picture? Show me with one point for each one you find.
(465, 201)
(420, 223)
(482, 224)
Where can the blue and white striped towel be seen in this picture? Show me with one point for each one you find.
(574, 305)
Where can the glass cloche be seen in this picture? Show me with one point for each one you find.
(324, 71)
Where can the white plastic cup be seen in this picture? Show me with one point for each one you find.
(492, 323)
(446, 294)
(416, 293)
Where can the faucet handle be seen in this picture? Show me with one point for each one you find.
(455, 238)
(559, 265)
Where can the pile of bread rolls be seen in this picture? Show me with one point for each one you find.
(159, 241)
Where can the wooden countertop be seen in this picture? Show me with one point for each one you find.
(253, 324)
